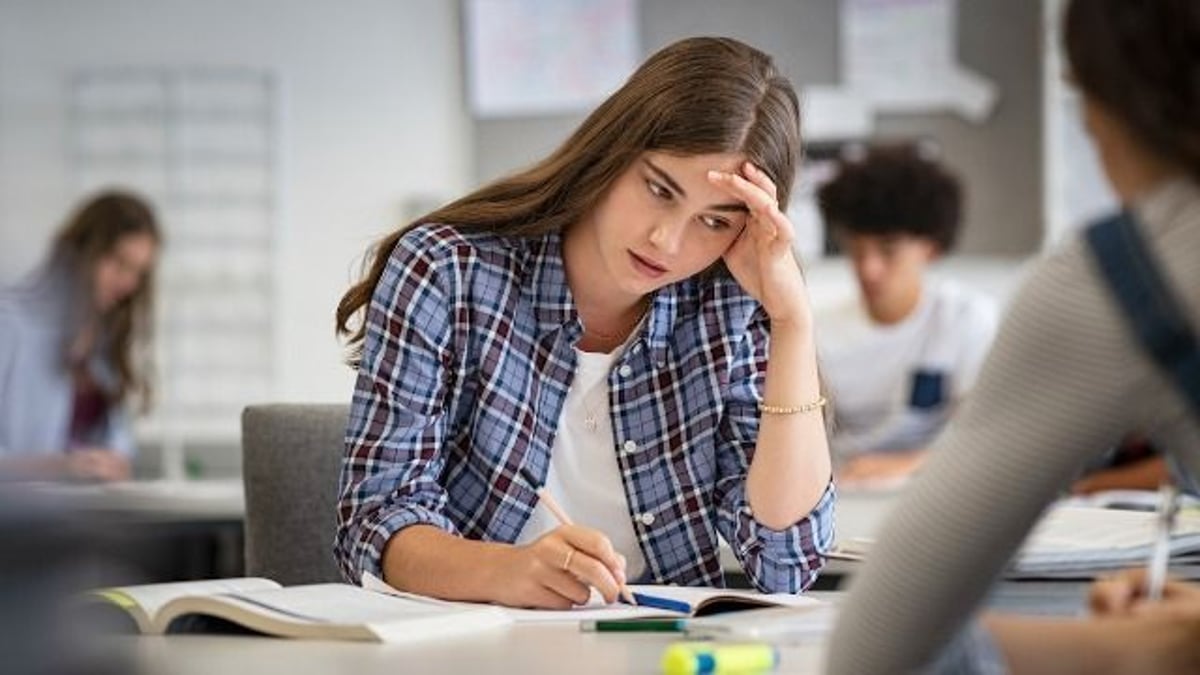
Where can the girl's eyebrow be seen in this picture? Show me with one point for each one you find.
(665, 177)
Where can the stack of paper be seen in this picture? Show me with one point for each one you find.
(1080, 542)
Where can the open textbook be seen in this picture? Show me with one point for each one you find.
(377, 612)
(318, 611)
(688, 601)
(1080, 542)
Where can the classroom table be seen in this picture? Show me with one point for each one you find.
(530, 649)
(155, 500)
(524, 648)
(533, 648)
(166, 530)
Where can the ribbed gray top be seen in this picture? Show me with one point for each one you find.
(1064, 381)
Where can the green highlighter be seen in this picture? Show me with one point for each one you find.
(701, 658)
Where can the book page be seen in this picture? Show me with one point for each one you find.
(596, 609)
(781, 625)
(1093, 532)
(151, 597)
(1070, 540)
(338, 604)
(329, 611)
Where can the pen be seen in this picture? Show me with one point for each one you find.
(659, 602)
(695, 658)
(563, 519)
(1160, 555)
(633, 626)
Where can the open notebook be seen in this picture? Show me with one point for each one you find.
(377, 612)
(685, 602)
(318, 611)
(1080, 542)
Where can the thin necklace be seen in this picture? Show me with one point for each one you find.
(591, 419)
(624, 333)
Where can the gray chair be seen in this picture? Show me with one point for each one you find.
(291, 457)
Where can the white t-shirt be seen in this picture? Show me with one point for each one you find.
(893, 386)
(584, 476)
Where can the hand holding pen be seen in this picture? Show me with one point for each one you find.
(1125, 594)
(1148, 589)
(567, 562)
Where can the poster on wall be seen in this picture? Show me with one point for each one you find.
(532, 57)
(900, 55)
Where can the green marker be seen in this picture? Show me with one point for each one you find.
(702, 658)
(633, 626)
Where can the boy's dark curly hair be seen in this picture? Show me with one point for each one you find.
(892, 190)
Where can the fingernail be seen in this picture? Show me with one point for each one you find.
(715, 175)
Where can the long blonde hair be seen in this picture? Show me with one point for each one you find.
(696, 96)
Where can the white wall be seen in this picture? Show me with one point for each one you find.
(372, 116)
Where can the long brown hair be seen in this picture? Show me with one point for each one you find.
(1141, 61)
(91, 233)
(696, 96)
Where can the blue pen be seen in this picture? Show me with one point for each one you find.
(656, 602)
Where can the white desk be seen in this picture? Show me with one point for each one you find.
(167, 530)
(184, 500)
(529, 649)
(526, 648)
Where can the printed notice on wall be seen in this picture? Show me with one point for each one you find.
(531, 57)
(899, 55)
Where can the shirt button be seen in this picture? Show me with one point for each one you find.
(630, 446)
(647, 518)
(625, 371)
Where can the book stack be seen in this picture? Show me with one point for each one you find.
(1079, 542)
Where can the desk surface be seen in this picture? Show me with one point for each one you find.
(529, 649)
(156, 500)
(524, 648)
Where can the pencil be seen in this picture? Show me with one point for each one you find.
(563, 519)
(1160, 554)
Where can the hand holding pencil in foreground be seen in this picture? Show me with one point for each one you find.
(1125, 594)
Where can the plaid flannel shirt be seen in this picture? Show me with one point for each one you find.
(468, 357)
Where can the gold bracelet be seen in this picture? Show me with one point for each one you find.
(792, 409)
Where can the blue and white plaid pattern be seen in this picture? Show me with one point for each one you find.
(468, 357)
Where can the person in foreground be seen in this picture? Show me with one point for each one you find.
(625, 322)
(901, 356)
(73, 346)
(1067, 378)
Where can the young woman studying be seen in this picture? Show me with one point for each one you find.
(1070, 374)
(625, 322)
(73, 341)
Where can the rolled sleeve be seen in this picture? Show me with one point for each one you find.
(775, 561)
(364, 538)
(779, 561)
(394, 442)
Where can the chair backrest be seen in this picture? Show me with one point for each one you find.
(291, 458)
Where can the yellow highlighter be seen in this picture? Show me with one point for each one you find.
(701, 658)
